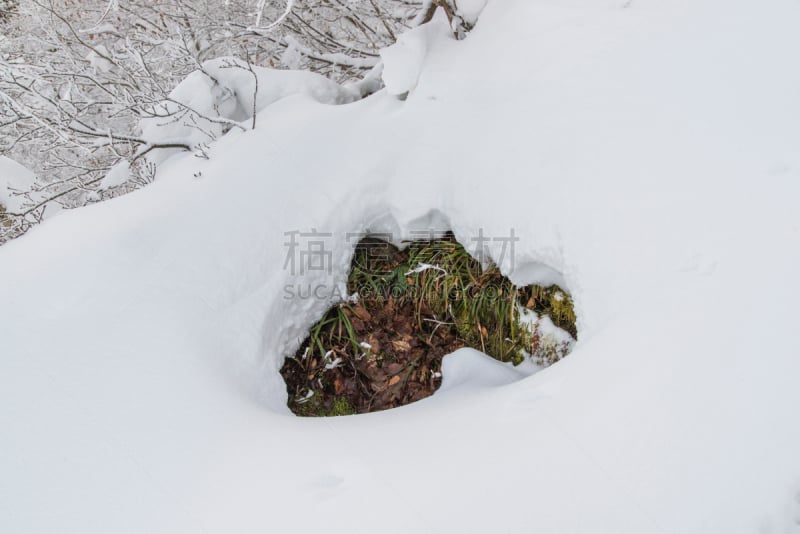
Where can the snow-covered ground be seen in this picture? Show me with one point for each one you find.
(646, 153)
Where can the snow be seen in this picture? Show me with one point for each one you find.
(97, 58)
(552, 342)
(645, 152)
(14, 178)
(467, 370)
(422, 267)
(118, 175)
(470, 10)
(220, 95)
(403, 61)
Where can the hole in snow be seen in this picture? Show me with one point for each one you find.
(408, 309)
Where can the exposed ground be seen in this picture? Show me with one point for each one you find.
(414, 306)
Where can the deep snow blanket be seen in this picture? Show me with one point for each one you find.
(646, 152)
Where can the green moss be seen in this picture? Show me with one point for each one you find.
(313, 407)
(316, 407)
(553, 302)
(341, 406)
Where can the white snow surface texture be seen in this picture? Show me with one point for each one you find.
(13, 178)
(646, 150)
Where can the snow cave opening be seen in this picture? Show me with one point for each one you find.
(407, 308)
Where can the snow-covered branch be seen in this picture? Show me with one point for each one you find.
(86, 86)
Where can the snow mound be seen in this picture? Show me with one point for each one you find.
(403, 61)
(117, 175)
(227, 91)
(14, 178)
(470, 10)
(467, 369)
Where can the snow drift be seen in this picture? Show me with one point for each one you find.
(644, 151)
